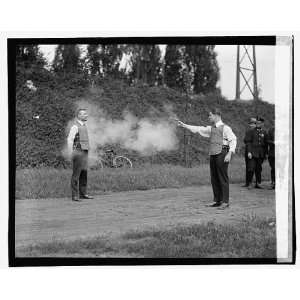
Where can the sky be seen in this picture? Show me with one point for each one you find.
(265, 65)
(226, 57)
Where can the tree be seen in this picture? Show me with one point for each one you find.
(93, 59)
(110, 57)
(67, 59)
(30, 65)
(173, 66)
(202, 62)
(104, 60)
(145, 63)
(198, 63)
(29, 55)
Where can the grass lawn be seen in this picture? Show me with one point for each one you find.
(253, 237)
(55, 183)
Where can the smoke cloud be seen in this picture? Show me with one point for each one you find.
(147, 136)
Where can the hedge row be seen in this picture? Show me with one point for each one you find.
(39, 141)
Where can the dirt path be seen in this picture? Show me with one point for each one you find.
(39, 220)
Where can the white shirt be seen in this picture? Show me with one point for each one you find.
(229, 138)
(72, 134)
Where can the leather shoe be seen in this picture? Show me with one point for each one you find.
(76, 199)
(257, 186)
(224, 206)
(86, 197)
(245, 185)
(214, 204)
(272, 187)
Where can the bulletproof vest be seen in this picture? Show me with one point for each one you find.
(81, 140)
(216, 140)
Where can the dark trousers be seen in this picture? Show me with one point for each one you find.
(248, 173)
(79, 176)
(255, 166)
(246, 164)
(219, 177)
(272, 165)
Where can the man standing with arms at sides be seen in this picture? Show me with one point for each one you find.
(271, 155)
(251, 126)
(222, 145)
(78, 147)
(257, 145)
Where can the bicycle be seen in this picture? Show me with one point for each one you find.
(112, 160)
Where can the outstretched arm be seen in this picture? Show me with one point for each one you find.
(202, 130)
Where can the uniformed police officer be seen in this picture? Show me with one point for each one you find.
(222, 143)
(78, 146)
(271, 155)
(257, 145)
(251, 125)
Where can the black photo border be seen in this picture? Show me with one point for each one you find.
(66, 261)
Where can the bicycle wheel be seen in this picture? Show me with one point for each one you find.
(122, 162)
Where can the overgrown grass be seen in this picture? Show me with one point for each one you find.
(55, 183)
(251, 238)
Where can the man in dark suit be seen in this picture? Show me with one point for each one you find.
(257, 146)
(271, 155)
(251, 126)
(78, 147)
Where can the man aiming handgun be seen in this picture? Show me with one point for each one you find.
(222, 143)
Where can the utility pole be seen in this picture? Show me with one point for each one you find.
(237, 92)
(254, 74)
(246, 68)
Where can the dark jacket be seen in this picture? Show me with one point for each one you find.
(271, 143)
(257, 142)
(247, 138)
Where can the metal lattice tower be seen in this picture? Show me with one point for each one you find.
(246, 68)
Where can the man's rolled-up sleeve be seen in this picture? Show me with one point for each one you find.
(71, 137)
(231, 138)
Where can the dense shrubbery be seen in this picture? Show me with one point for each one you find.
(40, 141)
(41, 117)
